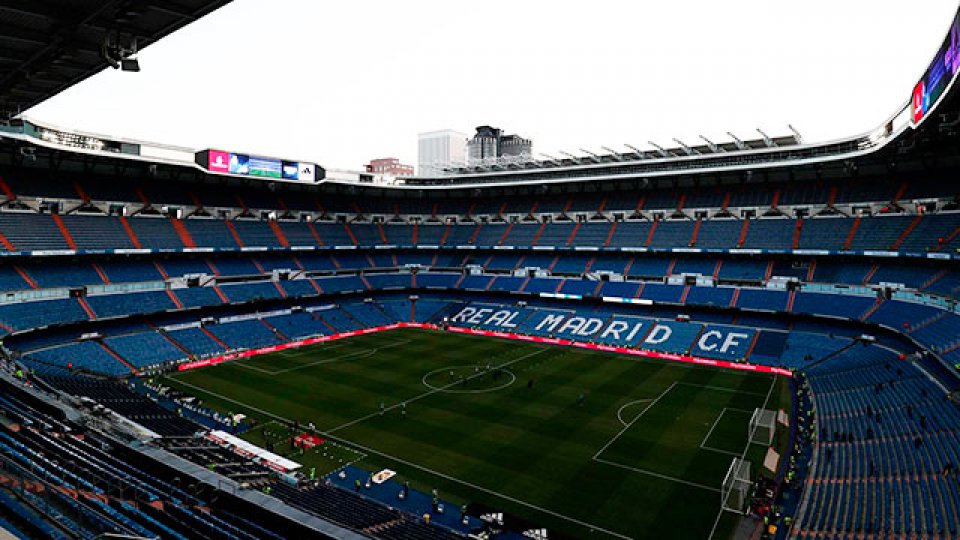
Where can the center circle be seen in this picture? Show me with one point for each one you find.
(468, 379)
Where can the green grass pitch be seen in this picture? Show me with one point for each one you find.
(642, 456)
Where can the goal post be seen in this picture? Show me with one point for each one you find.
(735, 492)
(763, 425)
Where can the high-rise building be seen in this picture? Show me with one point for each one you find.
(490, 143)
(438, 150)
(389, 166)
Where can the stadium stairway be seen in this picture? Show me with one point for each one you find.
(185, 237)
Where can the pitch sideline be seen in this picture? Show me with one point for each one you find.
(371, 451)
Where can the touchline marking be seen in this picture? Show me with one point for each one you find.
(490, 491)
(721, 389)
(368, 450)
(365, 354)
(434, 391)
(657, 475)
(349, 356)
(284, 354)
(626, 427)
(294, 353)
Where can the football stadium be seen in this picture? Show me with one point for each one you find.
(743, 339)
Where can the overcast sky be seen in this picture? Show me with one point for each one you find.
(340, 83)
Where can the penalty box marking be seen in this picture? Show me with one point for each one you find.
(703, 444)
(746, 448)
(596, 457)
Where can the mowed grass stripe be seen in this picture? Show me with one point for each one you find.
(316, 395)
(533, 446)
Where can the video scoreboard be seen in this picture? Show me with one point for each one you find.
(234, 164)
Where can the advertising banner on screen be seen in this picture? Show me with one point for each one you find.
(265, 168)
(301, 172)
(291, 170)
(218, 161)
(938, 76)
(255, 166)
(307, 172)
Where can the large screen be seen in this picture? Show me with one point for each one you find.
(219, 161)
(254, 166)
(938, 76)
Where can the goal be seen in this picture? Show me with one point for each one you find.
(762, 426)
(735, 493)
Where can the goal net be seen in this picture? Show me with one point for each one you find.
(735, 494)
(762, 426)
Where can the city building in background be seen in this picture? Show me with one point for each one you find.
(439, 150)
(389, 166)
(490, 144)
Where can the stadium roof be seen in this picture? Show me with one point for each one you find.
(47, 46)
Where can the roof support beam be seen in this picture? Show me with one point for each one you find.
(592, 156)
(689, 151)
(551, 159)
(639, 152)
(736, 140)
(715, 148)
(796, 134)
(660, 150)
(613, 153)
(766, 139)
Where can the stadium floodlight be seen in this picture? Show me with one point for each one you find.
(714, 147)
(592, 156)
(686, 148)
(660, 150)
(574, 158)
(118, 55)
(796, 134)
(130, 64)
(736, 140)
(766, 139)
(639, 152)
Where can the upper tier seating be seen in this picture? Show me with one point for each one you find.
(96, 232)
(29, 231)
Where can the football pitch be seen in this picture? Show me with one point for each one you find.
(588, 444)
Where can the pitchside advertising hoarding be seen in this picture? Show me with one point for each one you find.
(938, 76)
(221, 162)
